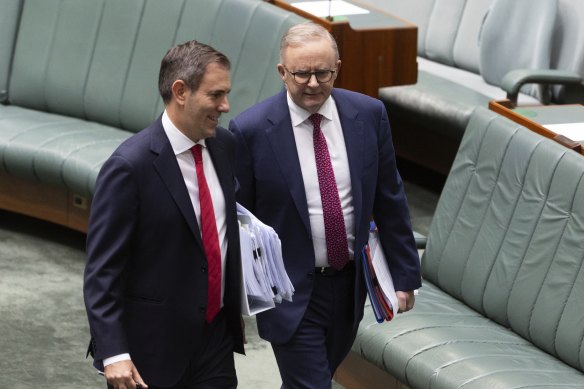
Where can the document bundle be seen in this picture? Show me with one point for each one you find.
(264, 278)
(378, 279)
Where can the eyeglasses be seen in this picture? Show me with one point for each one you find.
(302, 78)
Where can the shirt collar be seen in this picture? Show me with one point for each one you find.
(178, 141)
(299, 115)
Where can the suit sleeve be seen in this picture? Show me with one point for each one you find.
(243, 169)
(391, 214)
(111, 227)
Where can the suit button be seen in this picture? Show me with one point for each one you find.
(310, 275)
(203, 269)
(203, 308)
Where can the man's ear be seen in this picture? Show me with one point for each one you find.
(179, 91)
(282, 72)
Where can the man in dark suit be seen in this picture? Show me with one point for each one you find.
(162, 281)
(316, 163)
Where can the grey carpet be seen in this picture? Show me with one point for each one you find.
(43, 327)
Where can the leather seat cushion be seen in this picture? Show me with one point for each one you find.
(55, 149)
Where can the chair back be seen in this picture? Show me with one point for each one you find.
(9, 17)
(517, 34)
(415, 11)
(568, 49)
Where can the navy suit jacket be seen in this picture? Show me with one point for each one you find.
(145, 284)
(271, 186)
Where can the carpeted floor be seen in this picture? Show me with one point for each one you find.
(42, 320)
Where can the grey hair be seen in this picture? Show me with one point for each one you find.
(306, 32)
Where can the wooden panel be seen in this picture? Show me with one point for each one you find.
(373, 58)
(78, 212)
(46, 202)
(357, 373)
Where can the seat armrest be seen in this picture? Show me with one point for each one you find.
(421, 240)
(515, 79)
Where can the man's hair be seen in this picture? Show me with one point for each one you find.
(187, 62)
(303, 33)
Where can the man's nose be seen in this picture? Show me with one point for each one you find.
(224, 106)
(312, 81)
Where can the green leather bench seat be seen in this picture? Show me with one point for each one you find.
(84, 75)
(502, 299)
(55, 149)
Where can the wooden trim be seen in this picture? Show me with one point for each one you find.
(47, 202)
(505, 108)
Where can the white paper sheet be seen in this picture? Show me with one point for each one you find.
(337, 8)
(264, 278)
(574, 131)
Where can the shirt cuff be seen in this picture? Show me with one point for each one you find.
(116, 358)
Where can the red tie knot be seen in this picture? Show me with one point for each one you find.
(315, 118)
(197, 151)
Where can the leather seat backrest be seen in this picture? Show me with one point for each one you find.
(466, 49)
(442, 30)
(9, 17)
(254, 52)
(517, 35)
(415, 11)
(568, 48)
(99, 59)
(506, 237)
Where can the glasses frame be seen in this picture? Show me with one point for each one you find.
(310, 74)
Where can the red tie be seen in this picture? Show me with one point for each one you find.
(334, 222)
(210, 239)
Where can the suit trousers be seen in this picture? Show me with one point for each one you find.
(212, 366)
(325, 334)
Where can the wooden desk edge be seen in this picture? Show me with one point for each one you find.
(328, 24)
(504, 108)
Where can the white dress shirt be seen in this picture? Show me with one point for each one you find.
(181, 145)
(333, 133)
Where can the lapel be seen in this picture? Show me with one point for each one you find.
(166, 165)
(222, 167)
(353, 132)
(281, 137)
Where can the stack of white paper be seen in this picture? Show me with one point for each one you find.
(264, 278)
(382, 271)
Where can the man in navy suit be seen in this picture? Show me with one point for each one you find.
(162, 281)
(294, 181)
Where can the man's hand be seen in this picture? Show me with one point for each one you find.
(123, 375)
(405, 300)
